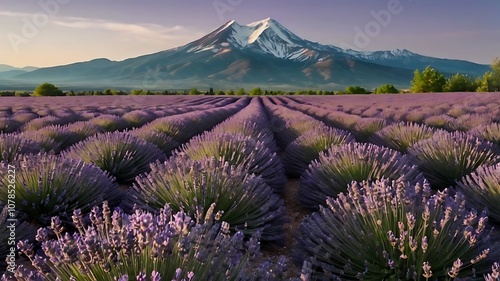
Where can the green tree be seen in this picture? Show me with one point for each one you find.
(47, 89)
(241, 92)
(460, 83)
(230, 93)
(386, 89)
(219, 93)
(194, 91)
(490, 81)
(256, 92)
(355, 90)
(428, 81)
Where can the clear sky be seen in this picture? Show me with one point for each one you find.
(54, 32)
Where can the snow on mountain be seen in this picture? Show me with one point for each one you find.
(266, 36)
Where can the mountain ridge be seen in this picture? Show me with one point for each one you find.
(263, 53)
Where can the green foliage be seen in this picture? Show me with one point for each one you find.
(386, 89)
(219, 93)
(447, 157)
(355, 90)
(47, 89)
(7, 94)
(428, 81)
(241, 92)
(460, 83)
(194, 91)
(256, 92)
(482, 189)
(401, 136)
(243, 199)
(396, 231)
(49, 185)
(230, 93)
(123, 155)
(490, 82)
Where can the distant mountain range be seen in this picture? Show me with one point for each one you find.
(263, 53)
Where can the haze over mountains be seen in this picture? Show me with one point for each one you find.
(261, 54)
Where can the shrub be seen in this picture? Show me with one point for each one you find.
(470, 121)
(447, 157)
(47, 89)
(41, 122)
(166, 246)
(124, 156)
(49, 185)
(24, 117)
(179, 128)
(9, 125)
(401, 136)
(490, 132)
(12, 145)
(442, 122)
(340, 165)
(110, 123)
(244, 200)
(395, 231)
(366, 127)
(308, 146)
(255, 130)
(355, 90)
(482, 189)
(163, 141)
(137, 118)
(386, 89)
(239, 150)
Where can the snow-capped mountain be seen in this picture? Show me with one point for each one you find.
(263, 53)
(266, 36)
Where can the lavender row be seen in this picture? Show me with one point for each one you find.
(230, 171)
(302, 137)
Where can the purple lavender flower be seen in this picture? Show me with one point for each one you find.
(335, 169)
(122, 155)
(383, 230)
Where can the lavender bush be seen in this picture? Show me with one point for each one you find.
(163, 141)
(308, 146)
(366, 127)
(447, 157)
(482, 189)
(137, 118)
(401, 136)
(8, 125)
(336, 168)
(110, 123)
(48, 185)
(242, 200)
(442, 122)
(166, 246)
(23, 117)
(41, 122)
(490, 132)
(12, 145)
(384, 231)
(122, 155)
(238, 149)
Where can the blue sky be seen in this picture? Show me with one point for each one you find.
(55, 32)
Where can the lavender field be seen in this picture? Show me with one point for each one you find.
(355, 187)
